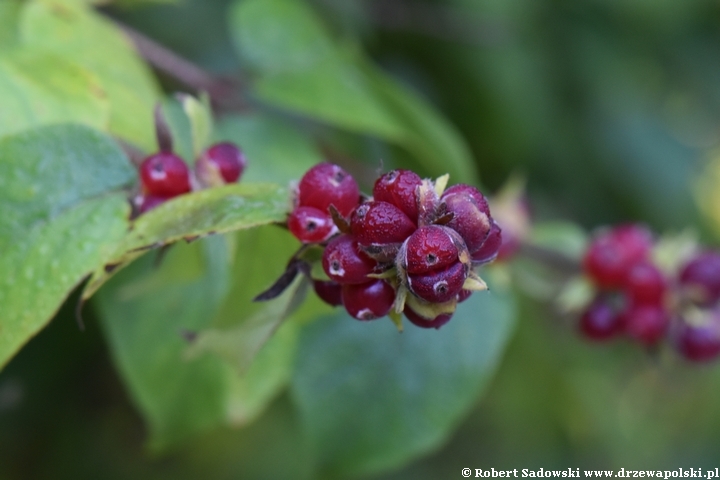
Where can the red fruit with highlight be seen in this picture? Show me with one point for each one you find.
(344, 263)
(329, 292)
(164, 175)
(399, 187)
(440, 286)
(326, 184)
(429, 249)
(700, 278)
(490, 247)
(422, 322)
(699, 341)
(600, 321)
(612, 254)
(645, 284)
(646, 323)
(368, 301)
(227, 158)
(310, 225)
(380, 223)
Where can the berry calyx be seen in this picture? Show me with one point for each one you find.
(700, 278)
(225, 159)
(600, 321)
(311, 225)
(645, 284)
(368, 301)
(329, 292)
(422, 322)
(164, 174)
(380, 223)
(327, 184)
(344, 263)
(399, 187)
(646, 323)
(612, 254)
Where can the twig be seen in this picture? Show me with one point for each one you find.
(224, 93)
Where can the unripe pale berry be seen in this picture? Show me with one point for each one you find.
(399, 187)
(165, 175)
(344, 263)
(327, 184)
(368, 301)
(310, 225)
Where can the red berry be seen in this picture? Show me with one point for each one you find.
(368, 301)
(227, 158)
(645, 284)
(467, 190)
(326, 184)
(429, 249)
(600, 321)
(441, 286)
(422, 322)
(344, 263)
(310, 225)
(490, 248)
(646, 323)
(612, 254)
(700, 342)
(380, 223)
(165, 174)
(399, 188)
(148, 202)
(464, 295)
(329, 292)
(700, 278)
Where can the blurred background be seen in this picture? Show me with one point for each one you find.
(611, 109)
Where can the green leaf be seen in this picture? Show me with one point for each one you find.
(9, 13)
(276, 151)
(74, 32)
(300, 68)
(216, 210)
(199, 114)
(373, 399)
(53, 235)
(144, 311)
(39, 88)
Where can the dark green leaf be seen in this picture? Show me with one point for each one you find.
(51, 235)
(373, 399)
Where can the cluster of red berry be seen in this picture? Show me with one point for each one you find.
(410, 249)
(636, 297)
(165, 175)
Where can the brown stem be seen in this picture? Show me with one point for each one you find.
(223, 92)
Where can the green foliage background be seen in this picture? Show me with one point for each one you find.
(609, 108)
